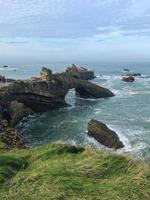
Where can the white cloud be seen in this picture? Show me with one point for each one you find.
(13, 10)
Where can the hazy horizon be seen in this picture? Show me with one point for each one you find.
(72, 31)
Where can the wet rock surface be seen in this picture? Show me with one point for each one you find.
(104, 135)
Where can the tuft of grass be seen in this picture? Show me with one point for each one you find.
(2, 146)
(10, 164)
(66, 172)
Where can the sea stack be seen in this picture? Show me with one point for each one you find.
(104, 135)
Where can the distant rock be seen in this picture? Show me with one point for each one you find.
(80, 72)
(104, 135)
(136, 74)
(5, 66)
(128, 79)
(126, 70)
(133, 74)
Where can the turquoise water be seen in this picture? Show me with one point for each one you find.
(128, 113)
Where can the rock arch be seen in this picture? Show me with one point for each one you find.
(45, 93)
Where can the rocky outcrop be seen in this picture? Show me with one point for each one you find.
(80, 72)
(49, 92)
(128, 79)
(9, 136)
(21, 98)
(104, 135)
(17, 111)
(88, 90)
(45, 74)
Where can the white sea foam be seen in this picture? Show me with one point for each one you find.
(131, 138)
(87, 99)
(8, 69)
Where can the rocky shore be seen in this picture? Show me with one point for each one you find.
(40, 94)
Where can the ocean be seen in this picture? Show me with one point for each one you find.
(128, 113)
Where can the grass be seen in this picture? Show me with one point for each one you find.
(65, 172)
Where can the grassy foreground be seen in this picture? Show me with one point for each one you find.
(65, 172)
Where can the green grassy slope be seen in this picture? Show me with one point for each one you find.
(65, 172)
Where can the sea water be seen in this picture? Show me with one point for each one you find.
(127, 113)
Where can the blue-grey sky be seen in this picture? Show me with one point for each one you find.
(33, 31)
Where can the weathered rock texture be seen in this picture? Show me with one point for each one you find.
(80, 72)
(46, 74)
(42, 94)
(9, 136)
(49, 92)
(104, 135)
(17, 111)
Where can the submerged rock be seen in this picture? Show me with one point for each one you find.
(80, 72)
(136, 74)
(104, 135)
(128, 78)
(133, 74)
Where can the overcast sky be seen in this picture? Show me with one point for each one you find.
(33, 31)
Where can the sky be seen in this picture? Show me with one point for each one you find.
(37, 31)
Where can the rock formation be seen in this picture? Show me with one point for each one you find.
(9, 136)
(104, 135)
(49, 92)
(42, 94)
(17, 111)
(80, 72)
(46, 74)
(128, 79)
